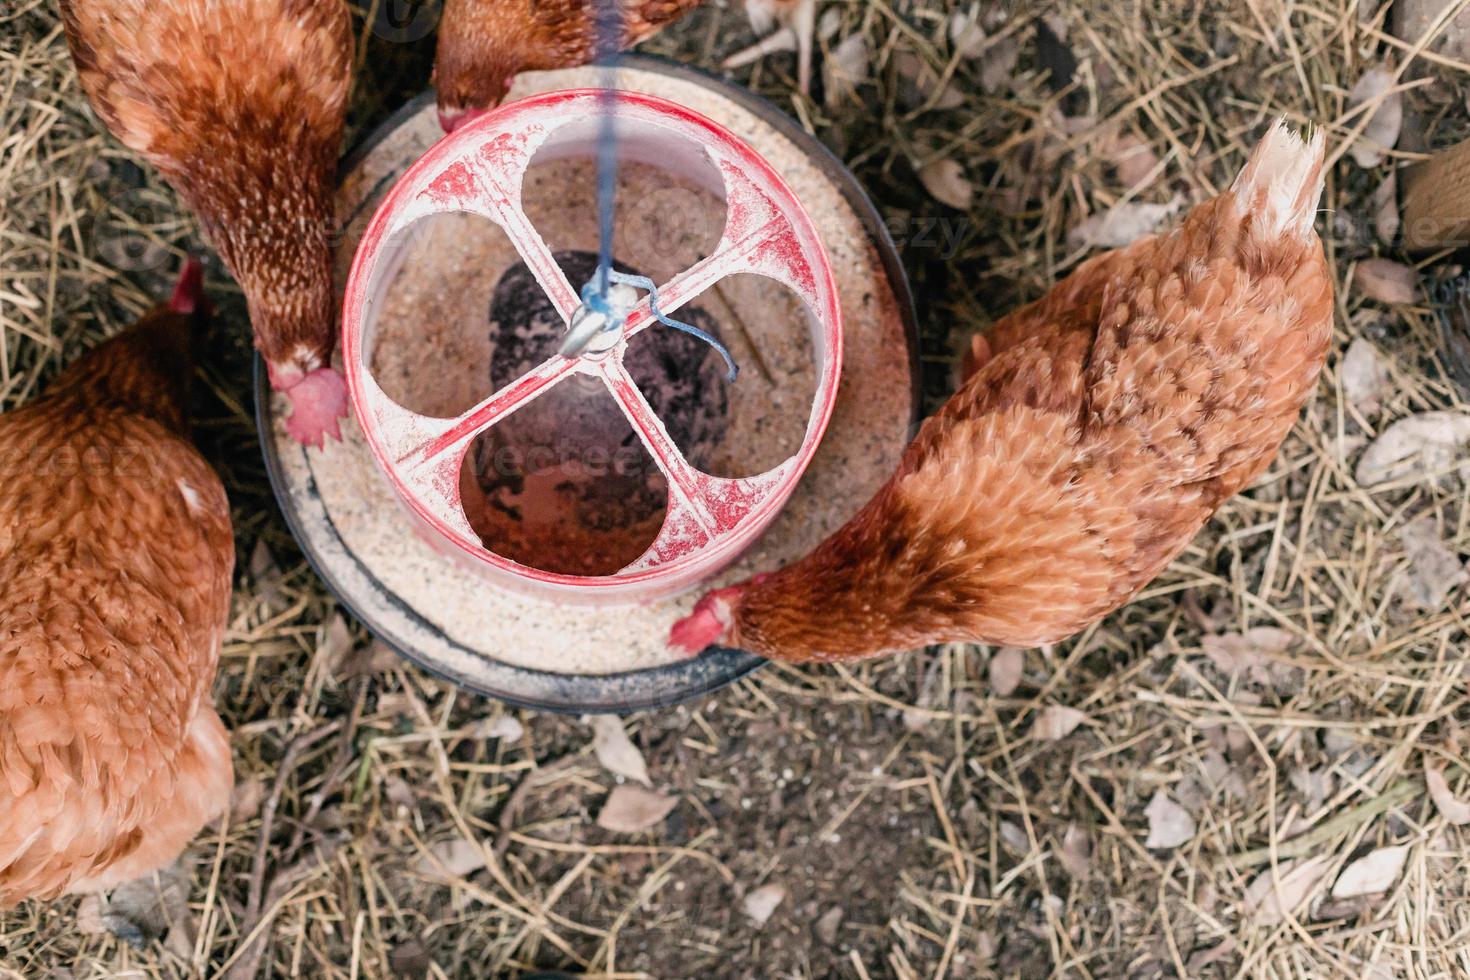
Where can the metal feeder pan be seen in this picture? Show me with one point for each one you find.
(624, 692)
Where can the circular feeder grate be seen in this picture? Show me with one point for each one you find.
(526, 648)
(479, 170)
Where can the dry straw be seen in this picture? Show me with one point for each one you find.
(389, 826)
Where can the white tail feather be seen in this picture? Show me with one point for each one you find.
(1282, 181)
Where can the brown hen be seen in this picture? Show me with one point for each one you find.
(484, 44)
(115, 562)
(240, 105)
(1100, 428)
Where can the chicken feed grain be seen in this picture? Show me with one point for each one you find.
(438, 348)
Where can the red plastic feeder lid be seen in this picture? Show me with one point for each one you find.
(479, 170)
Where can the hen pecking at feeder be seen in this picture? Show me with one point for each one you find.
(1100, 427)
(484, 44)
(115, 562)
(240, 106)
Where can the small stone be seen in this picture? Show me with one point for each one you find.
(826, 927)
(760, 904)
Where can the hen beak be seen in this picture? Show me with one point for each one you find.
(452, 119)
(707, 625)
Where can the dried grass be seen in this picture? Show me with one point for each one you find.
(381, 833)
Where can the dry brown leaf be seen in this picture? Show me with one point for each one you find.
(1434, 570)
(825, 928)
(966, 35)
(630, 809)
(245, 800)
(392, 703)
(335, 642)
(1453, 810)
(142, 910)
(1012, 836)
(1006, 665)
(453, 858)
(266, 575)
(1056, 722)
(1280, 891)
(1385, 204)
(1169, 824)
(1372, 873)
(917, 718)
(1316, 785)
(829, 24)
(1133, 158)
(1417, 446)
(1121, 225)
(760, 904)
(616, 751)
(1075, 852)
(398, 792)
(1237, 651)
(1223, 777)
(1387, 281)
(946, 182)
(1255, 652)
(369, 660)
(1382, 131)
(507, 728)
(409, 960)
(262, 562)
(998, 68)
(949, 97)
(845, 68)
(1364, 374)
(89, 916)
(1202, 958)
(922, 81)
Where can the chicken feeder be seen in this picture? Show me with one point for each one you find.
(529, 523)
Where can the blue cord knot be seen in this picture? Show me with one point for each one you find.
(609, 33)
(594, 297)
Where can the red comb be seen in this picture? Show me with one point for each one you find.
(188, 294)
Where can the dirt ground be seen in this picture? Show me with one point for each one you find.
(1238, 775)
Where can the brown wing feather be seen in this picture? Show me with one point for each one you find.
(647, 17)
(240, 105)
(115, 562)
(483, 44)
(1109, 420)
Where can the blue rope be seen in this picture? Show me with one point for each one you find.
(608, 41)
(597, 303)
(609, 27)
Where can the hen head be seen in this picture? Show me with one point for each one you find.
(318, 397)
(471, 78)
(712, 622)
(707, 625)
(456, 111)
(296, 340)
